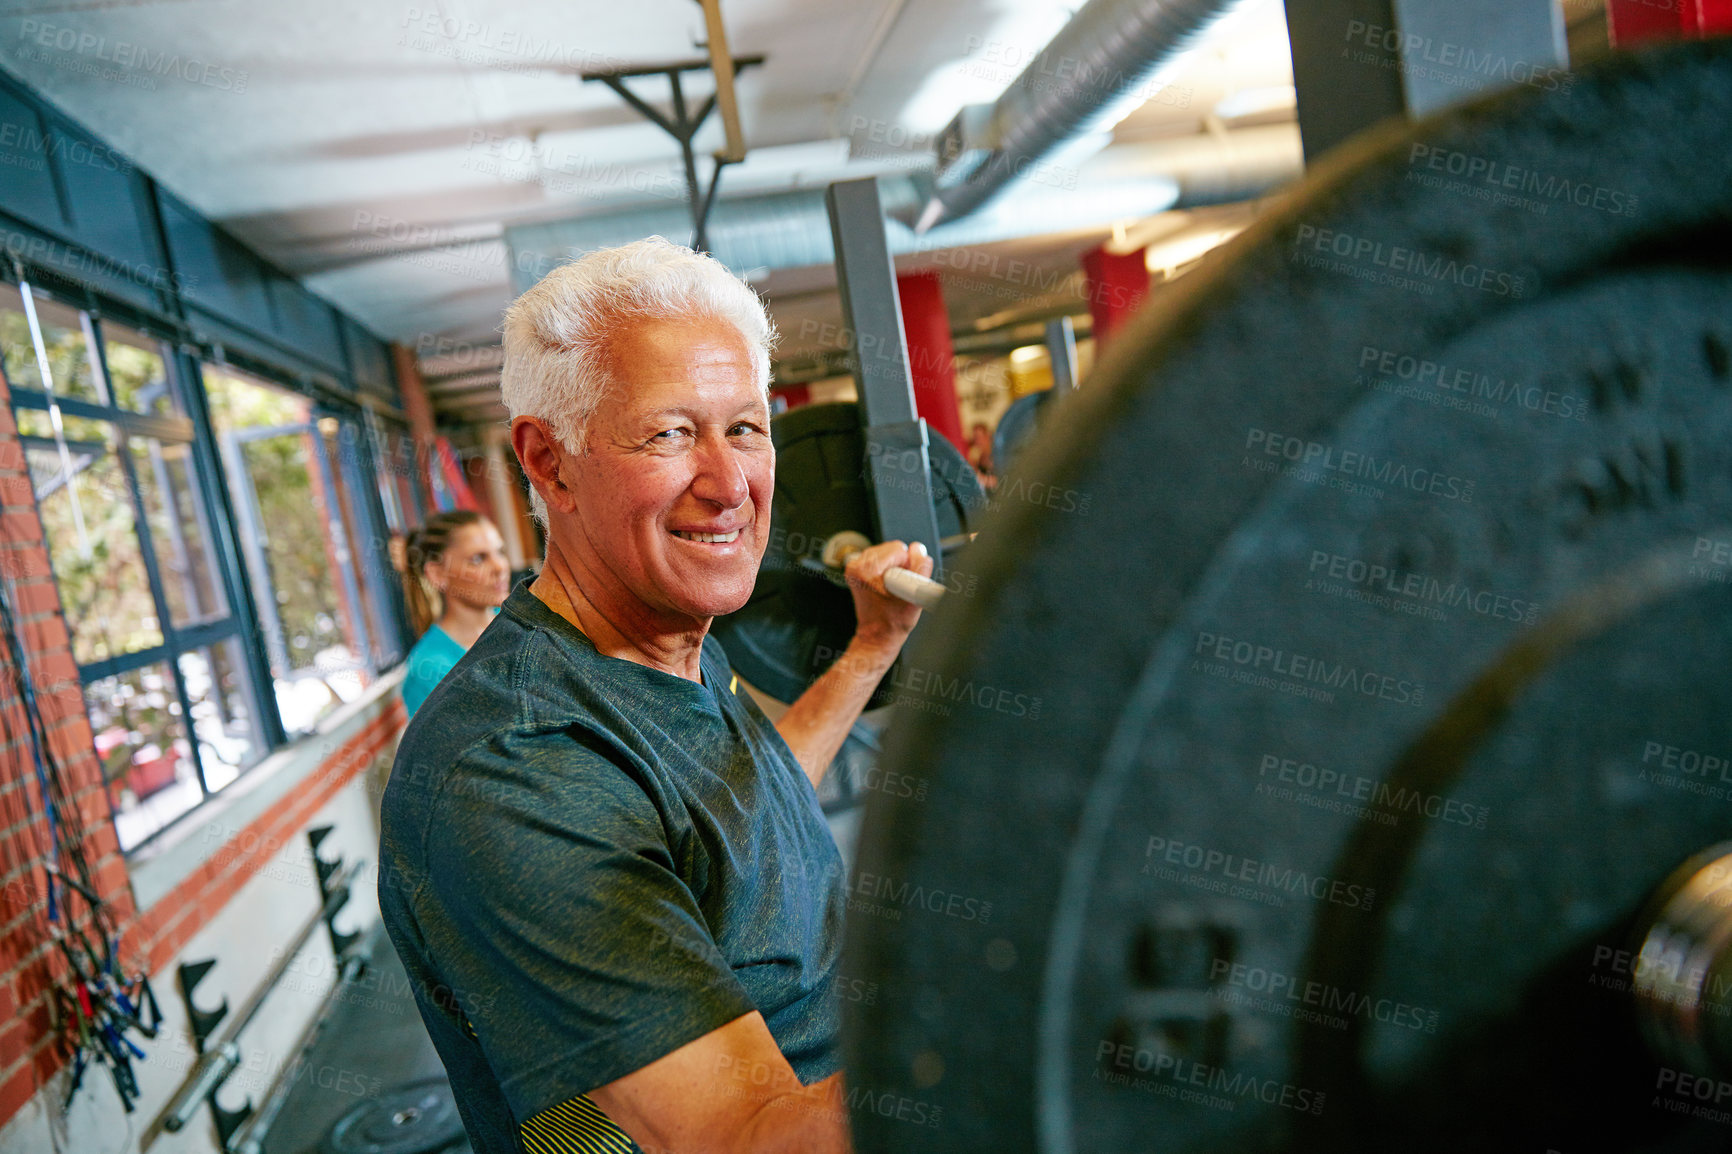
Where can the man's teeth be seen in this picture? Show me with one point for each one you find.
(721, 538)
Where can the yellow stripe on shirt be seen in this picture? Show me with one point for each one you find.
(575, 1127)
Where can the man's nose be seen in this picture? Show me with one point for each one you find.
(720, 477)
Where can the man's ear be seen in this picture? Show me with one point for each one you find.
(541, 455)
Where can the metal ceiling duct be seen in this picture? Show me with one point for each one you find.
(1100, 60)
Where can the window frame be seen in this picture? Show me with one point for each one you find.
(364, 574)
(177, 640)
(381, 620)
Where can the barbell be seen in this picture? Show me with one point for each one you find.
(801, 615)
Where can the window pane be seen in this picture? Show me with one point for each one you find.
(229, 738)
(93, 546)
(177, 531)
(137, 375)
(38, 423)
(394, 454)
(141, 742)
(296, 557)
(368, 555)
(62, 333)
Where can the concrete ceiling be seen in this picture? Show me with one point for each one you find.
(379, 148)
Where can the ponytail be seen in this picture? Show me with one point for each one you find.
(428, 543)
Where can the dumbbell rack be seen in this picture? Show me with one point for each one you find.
(242, 1131)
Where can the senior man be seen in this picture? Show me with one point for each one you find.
(606, 872)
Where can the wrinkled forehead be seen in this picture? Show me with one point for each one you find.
(695, 363)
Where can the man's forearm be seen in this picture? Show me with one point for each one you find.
(815, 725)
(810, 1120)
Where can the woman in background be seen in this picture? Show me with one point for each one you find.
(462, 556)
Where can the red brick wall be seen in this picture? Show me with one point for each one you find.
(29, 1051)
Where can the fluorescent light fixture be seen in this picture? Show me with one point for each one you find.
(1182, 250)
(1027, 355)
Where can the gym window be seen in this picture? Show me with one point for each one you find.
(135, 518)
(129, 535)
(296, 478)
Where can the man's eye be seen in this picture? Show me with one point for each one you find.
(668, 434)
(742, 428)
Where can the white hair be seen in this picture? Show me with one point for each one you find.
(557, 367)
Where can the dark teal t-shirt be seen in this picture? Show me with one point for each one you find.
(586, 863)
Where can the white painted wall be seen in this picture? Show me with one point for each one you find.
(245, 938)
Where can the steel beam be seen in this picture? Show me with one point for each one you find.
(872, 314)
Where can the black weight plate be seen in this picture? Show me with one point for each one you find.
(1016, 427)
(799, 619)
(419, 1118)
(1137, 915)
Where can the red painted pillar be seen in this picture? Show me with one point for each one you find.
(420, 413)
(931, 359)
(1634, 21)
(1117, 284)
(794, 395)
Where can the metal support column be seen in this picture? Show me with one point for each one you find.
(872, 313)
(1358, 62)
(1061, 350)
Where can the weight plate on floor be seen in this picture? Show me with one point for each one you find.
(800, 617)
(1356, 711)
(419, 1118)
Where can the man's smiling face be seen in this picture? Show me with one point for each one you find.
(673, 495)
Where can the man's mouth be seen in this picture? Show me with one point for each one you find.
(708, 538)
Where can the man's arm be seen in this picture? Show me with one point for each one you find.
(815, 725)
(728, 1092)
